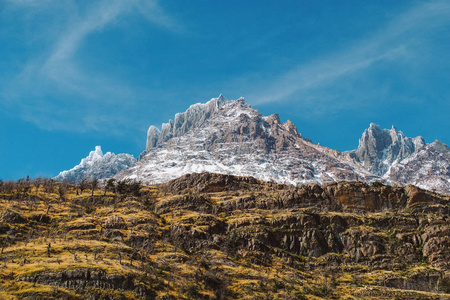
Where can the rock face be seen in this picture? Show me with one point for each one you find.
(229, 137)
(379, 226)
(379, 149)
(194, 117)
(402, 160)
(97, 165)
(428, 168)
(82, 279)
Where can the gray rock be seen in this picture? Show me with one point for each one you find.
(380, 148)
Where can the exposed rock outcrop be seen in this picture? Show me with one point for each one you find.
(81, 280)
(384, 241)
(380, 148)
(208, 182)
(9, 216)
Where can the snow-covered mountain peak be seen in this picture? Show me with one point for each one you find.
(381, 148)
(152, 137)
(230, 137)
(96, 154)
(193, 117)
(233, 109)
(221, 99)
(97, 165)
(234, 138)
(93, 156)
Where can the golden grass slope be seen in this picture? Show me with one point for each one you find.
(209, 245)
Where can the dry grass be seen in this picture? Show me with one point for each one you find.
(184, 253)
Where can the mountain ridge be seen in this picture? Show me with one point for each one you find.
(237, 139)
(230, 137)
(97, 165)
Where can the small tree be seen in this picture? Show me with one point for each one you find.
(23, 187)
(63, 187)
(128, 186)
(8, 186)
(94, 185)
(110, 185)
(84, 184)
(49, 185)
(37, 183)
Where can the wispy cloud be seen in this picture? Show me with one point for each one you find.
(58, 72)
(395, 42)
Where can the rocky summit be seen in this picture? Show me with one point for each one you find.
(230, 137)
(378, 149)
(97, 165)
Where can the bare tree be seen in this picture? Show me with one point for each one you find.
(23, 187)
(8, 186)
(63, 187)
(49, 185)
(110, 185)
(84, 184)
(94, 185)
(37, 183)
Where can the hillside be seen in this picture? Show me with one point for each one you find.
(211, 236)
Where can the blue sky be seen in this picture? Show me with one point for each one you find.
(76, 74)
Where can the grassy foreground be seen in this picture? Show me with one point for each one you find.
(216, 243)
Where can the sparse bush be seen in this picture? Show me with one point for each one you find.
(83, 184)
(191, 290)
(37, 183)
(110, 185)
(49, 185)
(128, 187)
(8, 187)
(63, 187)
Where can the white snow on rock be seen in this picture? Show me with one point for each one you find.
(230, 137)
(97, 165)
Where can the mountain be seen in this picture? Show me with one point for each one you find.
(379, 148)
(230, 137)
(401, 160)
(97, 165)
(428, 168)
